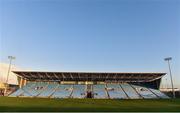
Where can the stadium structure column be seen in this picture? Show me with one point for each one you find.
(21, 82)
(25, 81)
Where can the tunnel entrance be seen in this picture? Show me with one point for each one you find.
(89, 95)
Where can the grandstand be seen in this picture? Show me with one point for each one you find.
(89, 85)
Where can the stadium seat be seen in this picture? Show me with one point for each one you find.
(49, 90)
(79, 91)
(16, 93)
(144, 92)
(99, 91)
(159, 93)
(132, 94)
(63, 91)
(116, 92)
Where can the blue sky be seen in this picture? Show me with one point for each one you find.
(91, 35)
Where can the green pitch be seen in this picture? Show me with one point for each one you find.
(39, 104)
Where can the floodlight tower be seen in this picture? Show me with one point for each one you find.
(10, 61)
(168, 60)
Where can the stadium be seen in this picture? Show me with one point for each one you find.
(88, 92)
(97, 85)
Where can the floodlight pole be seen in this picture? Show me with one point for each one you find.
(166, 84)
(10, 61)
(168, 60)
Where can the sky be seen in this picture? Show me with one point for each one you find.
(92, 35)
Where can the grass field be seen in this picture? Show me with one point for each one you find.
(40, 104)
